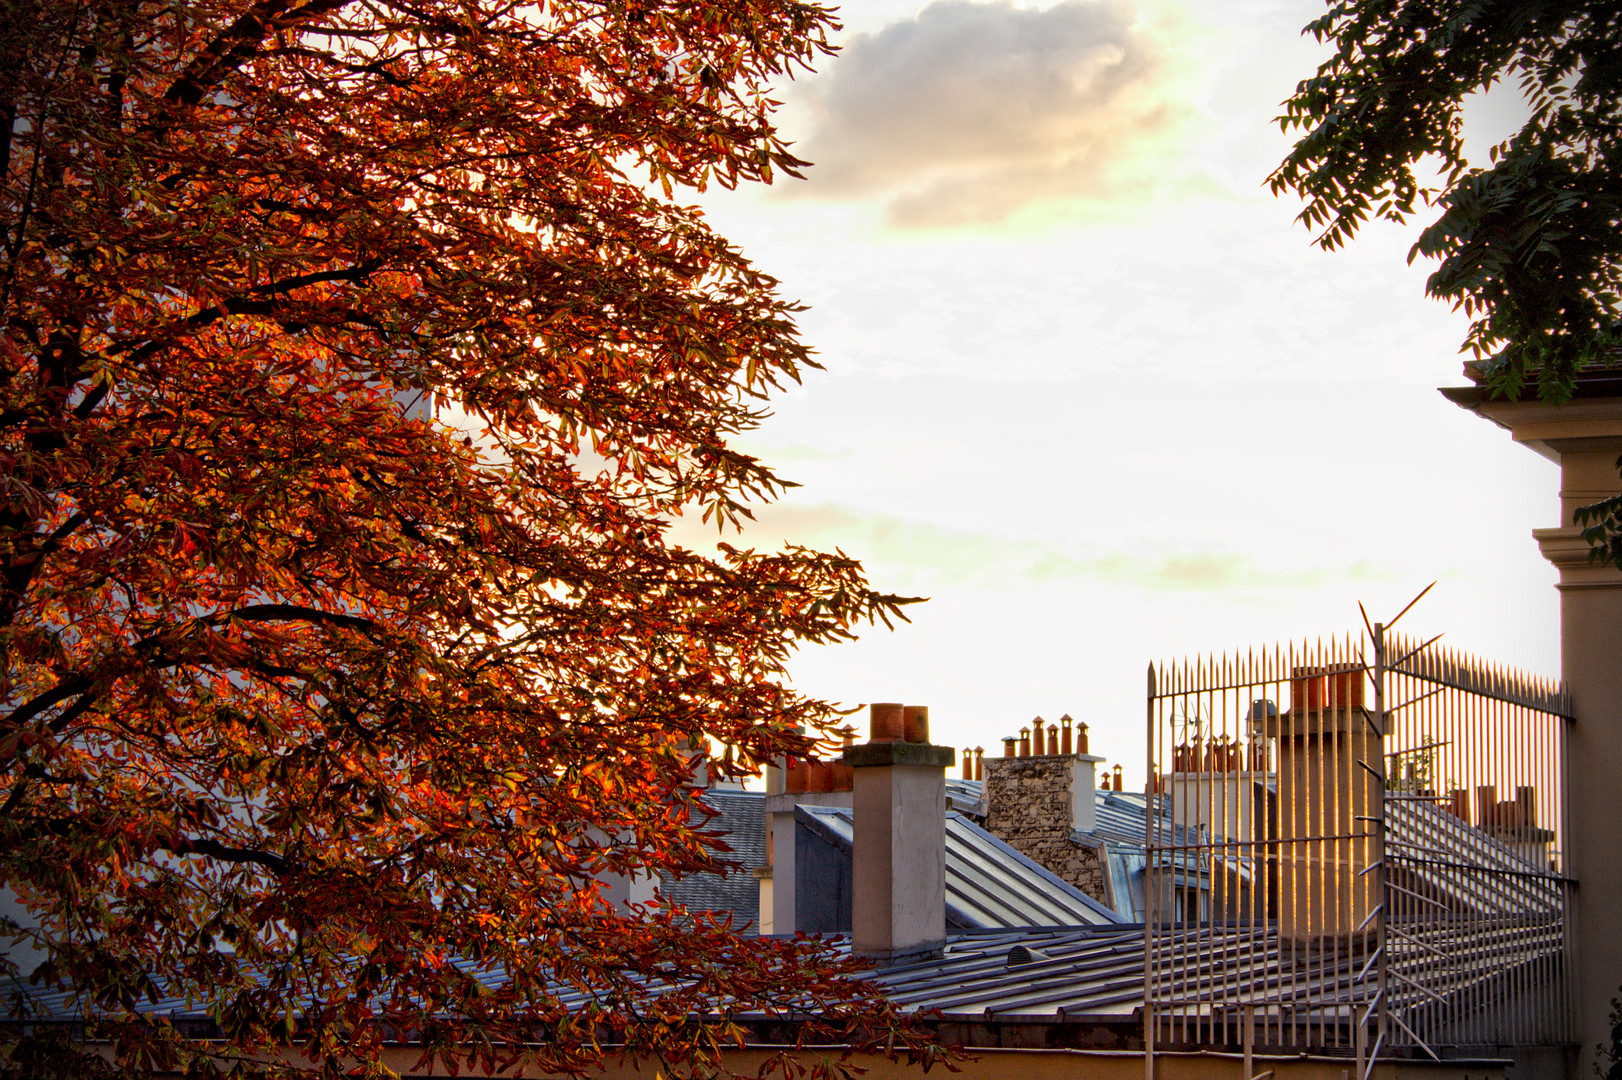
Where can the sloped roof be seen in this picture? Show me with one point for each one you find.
(1096, 973)
(1457, 863)
(1053, 975)
(741, 817)
(988, 883)
(1119, 817)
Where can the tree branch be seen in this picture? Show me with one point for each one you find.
(294, 613)
(186, 845)
(77, 684)
(240, 41)
(358, 272)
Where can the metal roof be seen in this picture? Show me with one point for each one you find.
(1093, 973)
(1453, 861)
(1049, 975)
(1052, 955)
(988, 883)
(741, 819)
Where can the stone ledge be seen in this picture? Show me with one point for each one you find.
(900, 753)
(788, 800)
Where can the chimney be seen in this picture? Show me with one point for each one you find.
(1526, 799)
(1324, 798)
(1037, 805)
(898, 901)
(1068, 800)
(805, 782)
(1083, 797)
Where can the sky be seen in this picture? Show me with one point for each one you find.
(1091, 389)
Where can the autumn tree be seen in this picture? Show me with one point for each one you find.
(358, 358)
(1527, 243)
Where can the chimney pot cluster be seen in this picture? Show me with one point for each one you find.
(1045, 739)
(1316, 689)
(1519, 812)
(892, 722)
(815, 775)
(1220, 755)
(973, 766)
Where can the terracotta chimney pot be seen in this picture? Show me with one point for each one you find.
(1527, 799)
(843, 776)
(915, 723)
(887, 722)
(819, 776)
(796, 776)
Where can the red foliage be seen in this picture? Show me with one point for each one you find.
(319, 713)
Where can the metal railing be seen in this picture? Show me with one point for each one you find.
(1355, 847)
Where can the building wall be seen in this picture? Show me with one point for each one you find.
(1028, 808)
(996, 1063)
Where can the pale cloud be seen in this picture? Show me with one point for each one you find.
(968, 112)
(927, 558)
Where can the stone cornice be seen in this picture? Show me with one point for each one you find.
(1569, 552)
(1548, 429)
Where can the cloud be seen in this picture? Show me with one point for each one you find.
(969, 111)
(906, 554)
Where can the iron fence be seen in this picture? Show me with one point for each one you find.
(1357, 849)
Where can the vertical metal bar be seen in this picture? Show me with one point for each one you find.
(1289, 853)
(1377, 827)
(1481, 746)
(1249, 1015)
(1318, 893)
(1568, 894)
(1150, 959)
(1360, 1039)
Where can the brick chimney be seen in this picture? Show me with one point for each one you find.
(1324, 798)
(898, 901)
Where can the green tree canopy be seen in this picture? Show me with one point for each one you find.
(1529, 246)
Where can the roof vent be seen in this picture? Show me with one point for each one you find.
(1019, 956)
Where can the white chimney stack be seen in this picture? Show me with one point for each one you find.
(1083, 792)
(898, 902)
